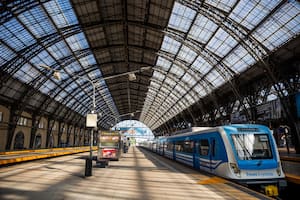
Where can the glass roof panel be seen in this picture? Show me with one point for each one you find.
(164, 91)
(78, 108)
(281, 27)
(194, 95)
(73, 68)
(175, 69)
(6, 53)
(170, 45)
(71, 102)
(170, 82)
(202, 29)
(61, 96)
(43, 58)
(239, 60)
(27, 73)
(200, 90)
(15, 36)
(221, 43)
(59, 50)
(163, 63)
(37, 21)
(74, 42)
(158, 76)
(47, 86)
(187, 78)
(93, 75)
(61, 12)
(221, 4)
(71, 87)
(184, 103)
(187, 54)
(201, 65)
(214, 78)
(180, 89)
(250, 13)
(81, 95)
(87, 61)
(190, 99)
(181, 17)
(154, 84)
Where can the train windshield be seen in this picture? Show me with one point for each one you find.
(109, 141)
(252, 146)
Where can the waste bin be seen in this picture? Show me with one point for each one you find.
(88, 167)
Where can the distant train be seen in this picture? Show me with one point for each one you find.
(110, 145)
(244, 153)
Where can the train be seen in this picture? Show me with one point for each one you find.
(110, 145)
(243, 153)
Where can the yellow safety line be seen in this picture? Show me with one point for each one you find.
(42, 150)
(213, 180)
(52, 154)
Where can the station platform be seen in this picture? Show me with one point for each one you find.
(138, 175)
(291, 165)
(290, 161)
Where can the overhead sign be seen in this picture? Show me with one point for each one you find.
(91, 120)
(269, 110)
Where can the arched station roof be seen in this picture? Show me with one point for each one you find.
(180, 52)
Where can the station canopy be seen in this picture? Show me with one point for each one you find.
(146, 59)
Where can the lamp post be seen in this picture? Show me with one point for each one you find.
(91, 119)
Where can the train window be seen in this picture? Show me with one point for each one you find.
(204, 147)
(188, 146)
(169, 146)
(179, 146)
(252, 146)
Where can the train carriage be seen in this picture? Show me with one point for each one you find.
(245, 153)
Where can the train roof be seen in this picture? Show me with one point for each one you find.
(238, 127)
(191, 131)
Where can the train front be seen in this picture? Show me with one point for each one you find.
(109, 145)
(255, 159)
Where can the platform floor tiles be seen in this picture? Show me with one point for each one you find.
(138, 175)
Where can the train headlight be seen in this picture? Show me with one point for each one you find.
(278, 170)
(235, 168)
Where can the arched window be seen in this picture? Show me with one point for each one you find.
(38, 141)
(19, 141)
(51, 141)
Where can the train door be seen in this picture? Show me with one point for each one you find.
(212, 153)
(196, 155)
(174, 152)
(204, 154)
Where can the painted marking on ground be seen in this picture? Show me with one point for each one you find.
(213, 180)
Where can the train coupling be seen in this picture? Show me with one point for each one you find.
(102, 163)
(271, 190)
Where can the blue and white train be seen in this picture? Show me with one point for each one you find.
(245, 153)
